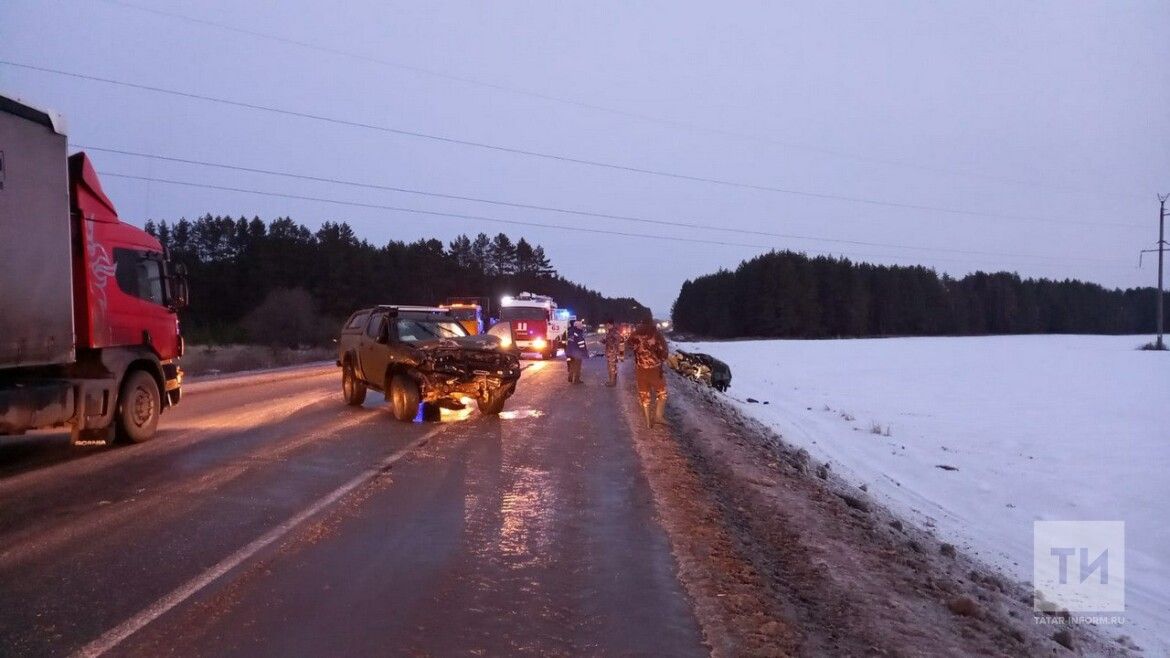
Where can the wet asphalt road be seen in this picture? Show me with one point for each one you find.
(269, 519)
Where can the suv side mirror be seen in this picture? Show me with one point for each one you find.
(384, 334)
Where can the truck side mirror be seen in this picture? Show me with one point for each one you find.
(179, 291)
(384, 334)
(180, 294)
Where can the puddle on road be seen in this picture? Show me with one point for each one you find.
(517, 414)
(452, 415)
(527, 511)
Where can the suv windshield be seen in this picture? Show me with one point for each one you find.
(415, 330)
(523, 313)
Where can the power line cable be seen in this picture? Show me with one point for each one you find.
(584, 213)
(433, 213)
(605, 108)
(554, 156)
(496, 220)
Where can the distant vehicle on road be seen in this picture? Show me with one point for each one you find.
(537, 324)
(422, 355)
(469, 311)
(89, 331)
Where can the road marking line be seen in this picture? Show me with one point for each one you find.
(118, 634)
(46, 539)
(173, 440)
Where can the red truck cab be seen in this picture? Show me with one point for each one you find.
(89, 329)
(121, 275)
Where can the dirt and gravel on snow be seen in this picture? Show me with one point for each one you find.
(782, 558)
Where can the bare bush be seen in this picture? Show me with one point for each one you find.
(287, 318)
(218, 359)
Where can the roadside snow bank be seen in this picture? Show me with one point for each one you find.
(980, 436)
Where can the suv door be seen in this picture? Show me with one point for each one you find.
(371, 354)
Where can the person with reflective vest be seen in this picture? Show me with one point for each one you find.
(575, 351)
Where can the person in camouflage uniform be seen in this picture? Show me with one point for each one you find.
(615, 350)
(650, 351)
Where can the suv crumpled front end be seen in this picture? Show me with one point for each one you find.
(448, 370)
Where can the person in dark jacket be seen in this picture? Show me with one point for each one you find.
(575, 351)
(650, 351)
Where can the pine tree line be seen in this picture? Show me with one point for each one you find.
(235, 264)
(791, 295)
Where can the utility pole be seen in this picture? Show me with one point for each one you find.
(1161, 250)
(1160, 343)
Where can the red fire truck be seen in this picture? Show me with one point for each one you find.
(89, 332)
(537, 324)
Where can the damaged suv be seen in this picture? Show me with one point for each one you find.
(422, 355)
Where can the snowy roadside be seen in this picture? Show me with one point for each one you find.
(781, 557)
(976, 438)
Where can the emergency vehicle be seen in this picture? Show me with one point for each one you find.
(468, 311)
(537, 324)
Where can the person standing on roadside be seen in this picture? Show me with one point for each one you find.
(649, 347)
(614, 350)
(575, 351)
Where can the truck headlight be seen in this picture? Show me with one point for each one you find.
(539, 343)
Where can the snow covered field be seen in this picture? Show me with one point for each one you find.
(1034, 428)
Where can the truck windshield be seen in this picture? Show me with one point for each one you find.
(523, 313)
(465, 313)
(413, 331)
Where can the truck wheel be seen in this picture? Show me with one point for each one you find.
(493, 404)
(138, 408)
(403, 396)
(352, 389)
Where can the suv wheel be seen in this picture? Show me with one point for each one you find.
(493, 404)
(352, 389)
(403, 395)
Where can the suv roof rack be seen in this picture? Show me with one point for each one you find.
(408, 308)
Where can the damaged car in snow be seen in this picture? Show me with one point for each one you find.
(702, 368)
(422, 355)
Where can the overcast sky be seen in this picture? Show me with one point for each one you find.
(1050, 120)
